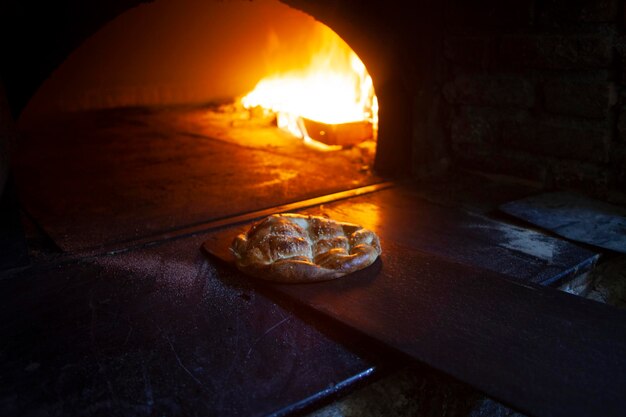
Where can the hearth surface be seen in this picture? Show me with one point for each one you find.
(164, 328)
(133, 322)
(96, 178)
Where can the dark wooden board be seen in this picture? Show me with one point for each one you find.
(575, 217)
(542, 351)
(399, 214)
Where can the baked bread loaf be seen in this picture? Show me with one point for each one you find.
(299, 248)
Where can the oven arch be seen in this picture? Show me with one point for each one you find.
(372, 31)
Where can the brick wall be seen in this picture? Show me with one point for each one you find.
(537, 90)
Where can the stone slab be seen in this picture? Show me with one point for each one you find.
(575, 217)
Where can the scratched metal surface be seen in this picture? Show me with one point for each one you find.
(158, 331)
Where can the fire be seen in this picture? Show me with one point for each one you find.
(334, 88)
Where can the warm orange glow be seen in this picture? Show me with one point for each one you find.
(333, 88)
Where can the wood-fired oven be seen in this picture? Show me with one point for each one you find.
(129, 161)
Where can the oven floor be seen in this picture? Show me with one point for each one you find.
(113, 176)
(165, 329)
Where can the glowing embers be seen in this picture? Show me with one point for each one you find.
(329, 102)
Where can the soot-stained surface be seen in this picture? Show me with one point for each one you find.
(104, 177)
(159, 331)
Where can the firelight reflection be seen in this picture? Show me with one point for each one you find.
(364, 214)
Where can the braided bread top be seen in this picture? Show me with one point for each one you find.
(302, 248)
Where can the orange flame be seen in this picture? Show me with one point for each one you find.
(334, 88)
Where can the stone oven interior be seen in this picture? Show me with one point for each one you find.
(121, 178)
(163, 141)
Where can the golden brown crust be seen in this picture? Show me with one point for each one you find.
(299, 248)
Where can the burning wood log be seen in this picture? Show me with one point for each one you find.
(342, 134)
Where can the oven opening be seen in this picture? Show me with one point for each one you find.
(176, 115)
(179, 123)
(327, 99)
